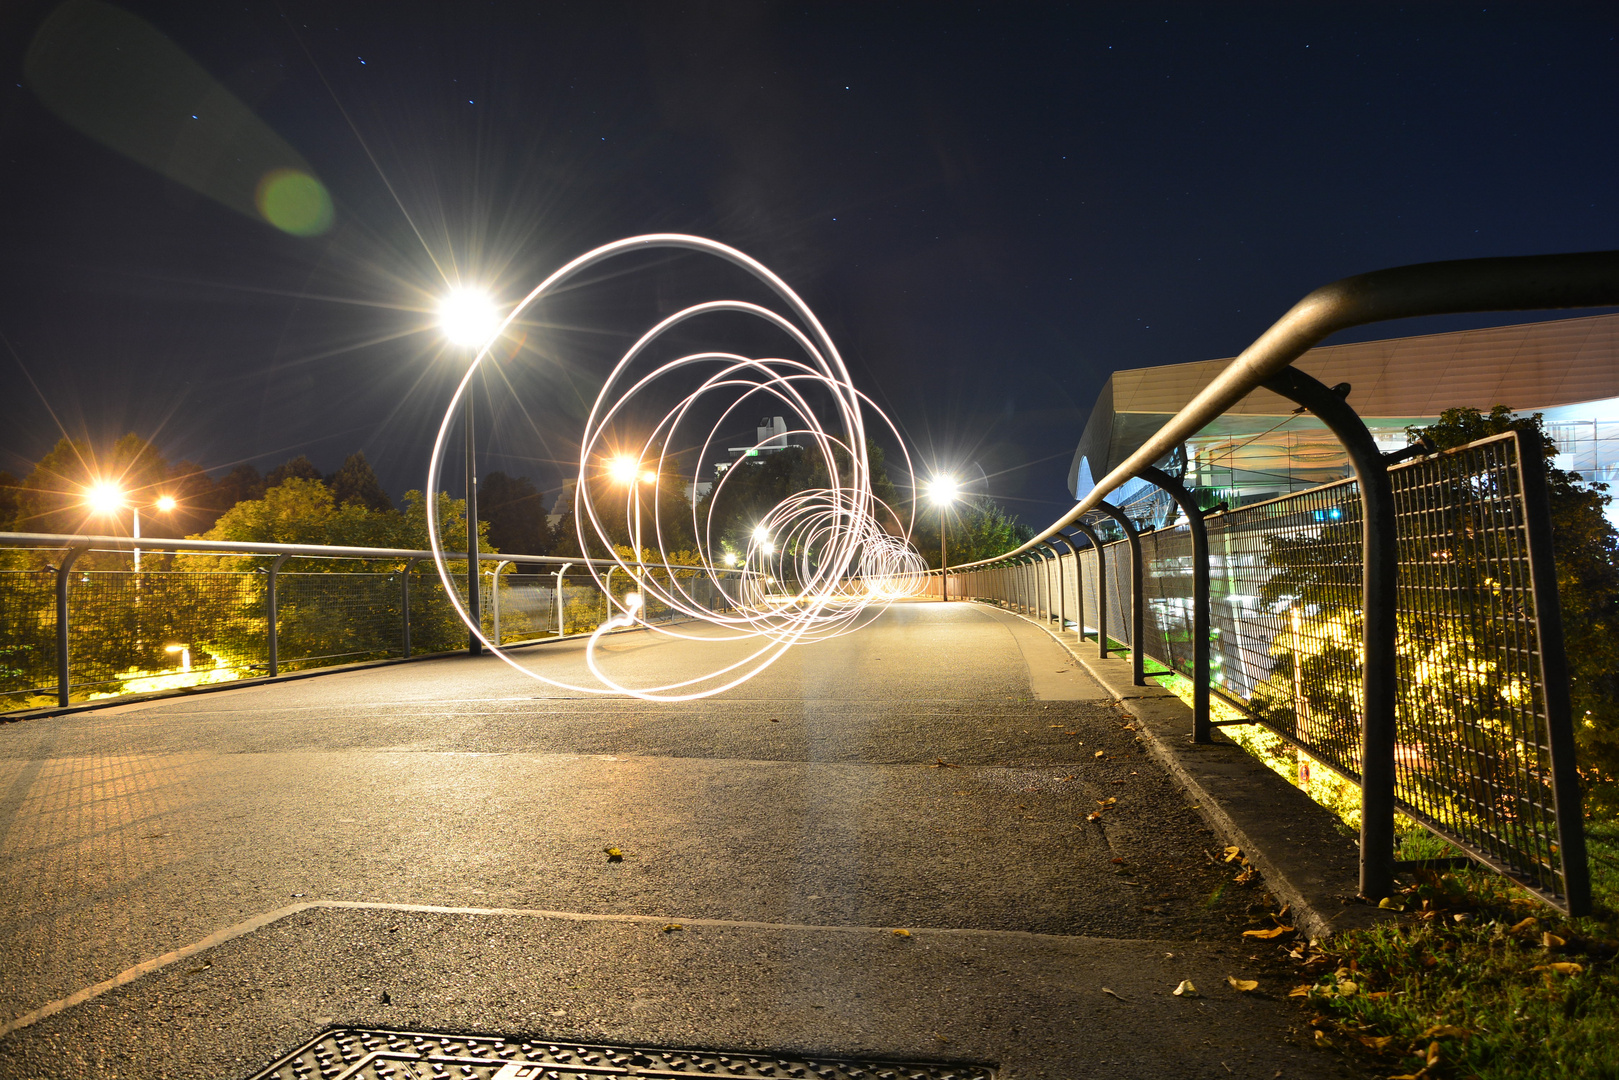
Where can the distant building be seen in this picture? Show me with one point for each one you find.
(771, 437)
(1566, 369)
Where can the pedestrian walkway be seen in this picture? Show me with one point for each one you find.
(423, 847)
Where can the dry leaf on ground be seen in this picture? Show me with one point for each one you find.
(672, 927)
(1564, 968)
(613, 854)
(1185, 989)
(897, 933)
(1273, 932)
(1242, 985)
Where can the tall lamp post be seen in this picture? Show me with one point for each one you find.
(108, 498)
(943, 491)
(468, 318)
(627, 470)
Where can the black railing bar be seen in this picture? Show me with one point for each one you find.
(1454, 287)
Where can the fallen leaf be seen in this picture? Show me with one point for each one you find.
(1105, 803)
(1376, 1042)
(1280, 915)
(1433, 1054)
(1446, 1031)
(941, 763)
(1100, 753)
(1564, 968)
(1348, 988)
(1266, 935)
(1185, 989)
(1522, 927)
(672, 927)
(1301, 990)
(1552, 941)
(1232, 853)
(1388, 903)
(1117, 862)
(1242, 985)
(897, 933)
(1126, 1000)
(1247, 875)
(773, 720)
(1321, 1038)
(613, 854)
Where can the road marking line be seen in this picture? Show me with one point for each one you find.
(260, 921)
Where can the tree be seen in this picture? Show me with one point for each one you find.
(299, 466)
(238, 485)
(516, 514)
(10, 501)
(53, 495)
(977, 528)
(357, 483)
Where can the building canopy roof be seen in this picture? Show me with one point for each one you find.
(1531, 366)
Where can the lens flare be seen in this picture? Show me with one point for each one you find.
(820, 563)
(294, 202)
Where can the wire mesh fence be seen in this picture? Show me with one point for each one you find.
(192, 619)
(1474, 732)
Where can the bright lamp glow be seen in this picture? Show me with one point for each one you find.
(943, 491)
(649, 477)
(761, 533)
(468, 317)
(730, 559)
(623, 470)
(768, 548)
(166, 503)
(105, 498)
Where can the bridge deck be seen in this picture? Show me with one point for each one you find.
(933, 772)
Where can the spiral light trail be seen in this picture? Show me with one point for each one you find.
(818, 564)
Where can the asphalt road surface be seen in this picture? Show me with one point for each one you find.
(933, 772)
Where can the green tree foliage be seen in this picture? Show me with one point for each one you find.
(516, 514)
(53, 494)
(975, 528)
(357, 483)
(10, 501)
(1587, 555)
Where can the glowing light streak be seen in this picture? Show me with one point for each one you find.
(837, 563)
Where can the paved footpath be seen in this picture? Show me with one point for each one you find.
(420, 846)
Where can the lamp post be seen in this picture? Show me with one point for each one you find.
(108, 498)
(468, 318)
(943, 491)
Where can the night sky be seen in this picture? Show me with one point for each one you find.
(992, 207)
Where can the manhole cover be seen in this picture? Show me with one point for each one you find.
(365, 1054)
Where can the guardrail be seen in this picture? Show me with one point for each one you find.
(69, 632)
(1488, 765)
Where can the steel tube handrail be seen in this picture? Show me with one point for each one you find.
(332, 551)
(1516, 283)
(1201, 659)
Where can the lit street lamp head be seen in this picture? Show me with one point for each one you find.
(623, 469)
(166, 503)
(105, 498)
(468, 317)
(943, 491)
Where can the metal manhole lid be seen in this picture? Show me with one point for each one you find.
(377, 1054)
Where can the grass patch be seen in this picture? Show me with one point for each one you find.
(1483, 981)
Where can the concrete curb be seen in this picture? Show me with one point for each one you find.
(1299, 846)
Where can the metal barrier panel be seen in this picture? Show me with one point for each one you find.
(1474, 755)
(1116, 559)
(1474, 740)
(339, 618)
(1088, 563)
(1167, 633)
(27, 638)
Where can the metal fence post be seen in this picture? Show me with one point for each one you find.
(1138, 596)
(1380, 565)
(494, 596)
(404, 604)
(273, 614)
(1554, 674)
(1101, 590)
(1200, 597)
(1062, 598)
(1079, 587)
(63, 667)
(561, 608)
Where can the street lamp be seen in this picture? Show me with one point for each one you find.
(105, 497)
(943, 491)
(185, 655)
(468, 318)
(624, 469)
